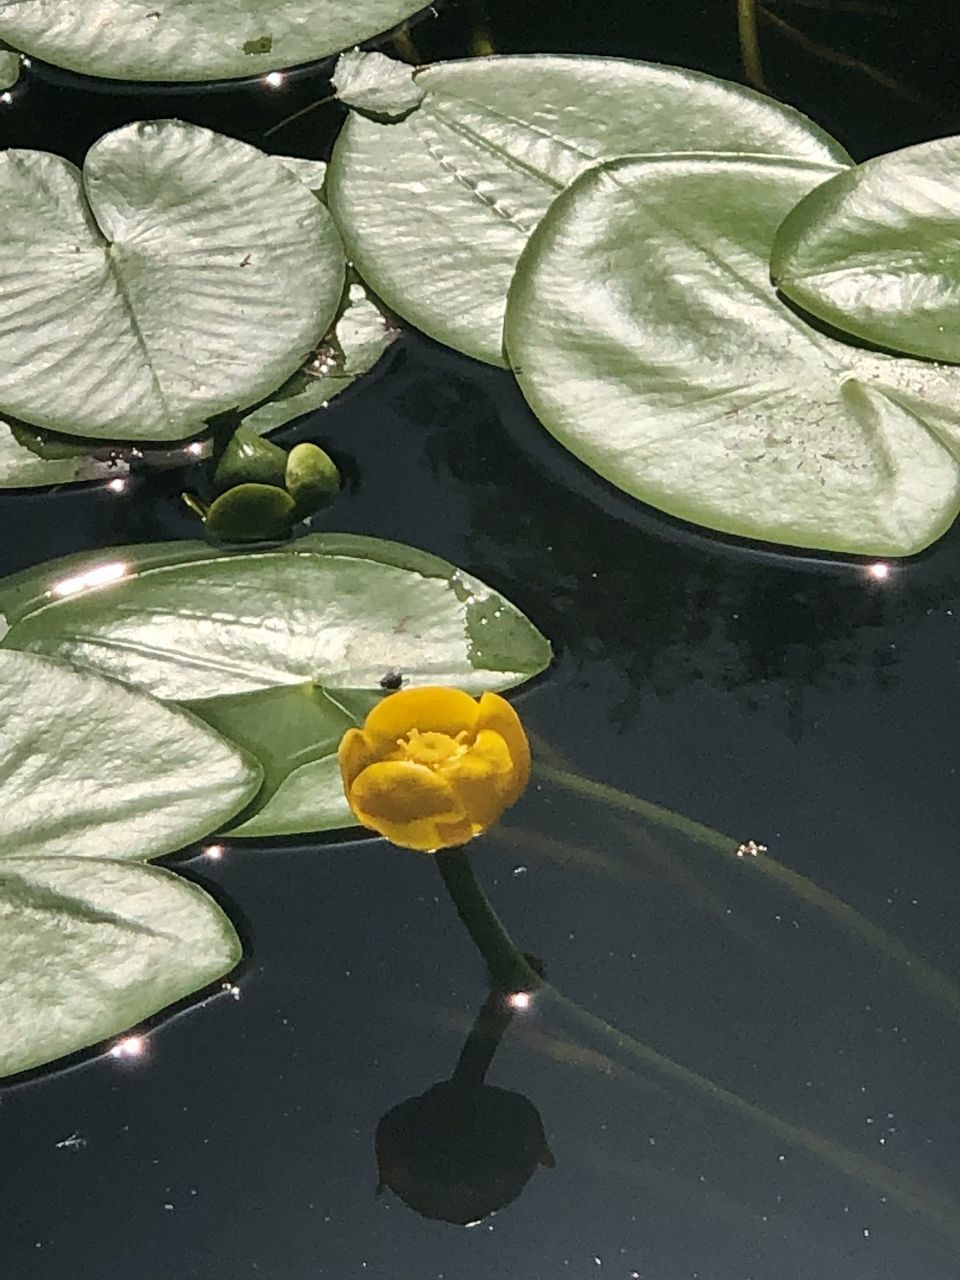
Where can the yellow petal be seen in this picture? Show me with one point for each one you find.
(482, 779)
(354, 755)
(410, 805)
(432, 708)
(497, 714)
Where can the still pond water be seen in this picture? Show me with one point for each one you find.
(762, 1088)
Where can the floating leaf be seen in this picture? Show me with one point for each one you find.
(184, 40)
(9, 68)
(313, 626)
(249, 459)
(359, 337)
(312, 173)
(679, 375)
(312, 477)
(376, 84)
(182, 274)
(436, 208)
(91, 947)
(876, 251)
(91, 768)
(251, 513)
(20, 468)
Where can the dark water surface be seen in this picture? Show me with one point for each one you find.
(780, 1098)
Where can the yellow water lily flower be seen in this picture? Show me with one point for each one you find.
(432, 768)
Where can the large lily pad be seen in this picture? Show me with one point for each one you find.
(91, 768)
(192, 39)
(180, 275)
(436, 208)
(280, 649)
(648, 339)
(91, 947)
(876, 251)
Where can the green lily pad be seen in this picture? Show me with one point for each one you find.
(360, 335)
(188, 40)
(92, 947)
(91, 768)
(680, 376)
(248, 459)
(312, 478)
(181, 275)
(251, 513)
(291, 643)
(436, 208)
(876, 251)
(20, 468)
(9, 68)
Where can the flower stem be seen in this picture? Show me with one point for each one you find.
(509, 968)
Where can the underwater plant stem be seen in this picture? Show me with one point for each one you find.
(750, 43)
(483, 1041)
(934, 985)
(509, 968)
(643, 808)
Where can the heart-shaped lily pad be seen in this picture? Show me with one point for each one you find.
(876, 251)
(281, 649)
(192, 39)
(180, 275)
(91, 947)
(436, 208)
(91, 768)
(677, 373)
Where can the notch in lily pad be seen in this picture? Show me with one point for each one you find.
(376, 85)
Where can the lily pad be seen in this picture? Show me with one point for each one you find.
(360, 335)
(91, 768)
(436, 208)
(20, 468)
(180, 275)
(676, 372)
(281, 649)
(9, 68)
(189, 40)
(92, 947)
(876, 251)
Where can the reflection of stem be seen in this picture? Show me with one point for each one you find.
(404, 44)
(750, 43)
(509, 969)
(907, 1192)
(482, 1042)
(929, 980)
(841, 59)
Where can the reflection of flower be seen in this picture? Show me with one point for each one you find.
(431, 768)
(459, 1155)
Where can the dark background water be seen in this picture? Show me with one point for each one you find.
(796, 701)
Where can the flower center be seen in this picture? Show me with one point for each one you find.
(432, 749)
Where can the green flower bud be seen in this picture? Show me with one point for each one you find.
(251, 513)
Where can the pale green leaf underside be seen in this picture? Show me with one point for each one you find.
(675, 371)
(91, 947)
(436, 208)
(192, 39)
(281, 650)
(182, 274)
(876, 251)
(91, 768)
